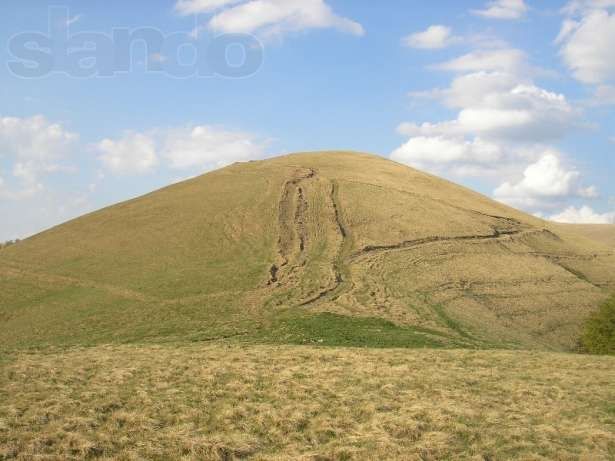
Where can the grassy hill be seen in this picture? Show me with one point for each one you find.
(329, 248)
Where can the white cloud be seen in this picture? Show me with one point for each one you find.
(208, 147)
(21, 191)
(504, 121)
(461, 157)
(34, 138)
(567, 28)
(583, 215)
(587, 44)
(503, 9)
(502, 131)
(201, 147)
(185, 7)
(134, 153)
(509, 60)
(543, 181)
(269, 17)
(496, 106)
(580, 6)
(434, 37)
(32, 148)
(470, 89)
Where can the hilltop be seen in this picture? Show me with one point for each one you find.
(332, 248)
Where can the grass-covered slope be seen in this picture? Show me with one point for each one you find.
(282, 249)
(603, 233)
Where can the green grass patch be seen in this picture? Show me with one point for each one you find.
(328, 329)
(599, 333)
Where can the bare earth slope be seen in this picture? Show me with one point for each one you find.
(246, 248)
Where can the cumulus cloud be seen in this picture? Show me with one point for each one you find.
(509, 60)
(32, 148)
(434, 37)
(586, 39)
(543, 181)
(268, 17)
(134, 153)
(34, 138)
(438, 153)
(496, 106)
(469, 89)
(200, 147)
(503, 130)
(579, 6)
(583, 215)
(208, 147)
(503, 9)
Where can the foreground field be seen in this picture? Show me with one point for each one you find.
(228, 401)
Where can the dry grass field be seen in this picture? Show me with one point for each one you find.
(232, 401)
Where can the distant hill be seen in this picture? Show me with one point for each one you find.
(603, 233)
(328, 248)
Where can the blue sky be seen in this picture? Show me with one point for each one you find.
(513, 98)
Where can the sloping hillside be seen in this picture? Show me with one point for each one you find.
(602, 233)
(280, 250)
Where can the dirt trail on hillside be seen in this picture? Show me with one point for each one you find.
(292, 239)
(407, 244)
(336, 265)
(295, 240)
